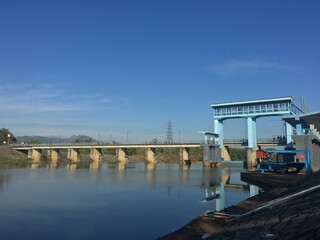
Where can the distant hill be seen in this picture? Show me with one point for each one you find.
(42, 139)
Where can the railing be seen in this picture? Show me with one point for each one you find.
(101, 143)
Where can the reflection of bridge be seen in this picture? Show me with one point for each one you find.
(53, 150)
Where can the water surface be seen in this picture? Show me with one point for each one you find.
(132, 201)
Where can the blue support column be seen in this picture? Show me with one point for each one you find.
(218, 128)
(289, 133)
(299, 128)
(252, 132)
(307, 162)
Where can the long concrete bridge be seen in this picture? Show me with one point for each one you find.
(35, 151)
(53, 150)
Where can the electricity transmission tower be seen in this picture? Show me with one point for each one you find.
(169, 132)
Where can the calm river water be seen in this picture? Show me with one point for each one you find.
(132, 201)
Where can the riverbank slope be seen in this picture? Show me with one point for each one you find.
(296, 218)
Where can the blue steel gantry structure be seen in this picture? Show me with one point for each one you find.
(251, 110)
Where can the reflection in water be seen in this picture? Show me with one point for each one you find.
(121, 166)
(34, 165)
(94, 194)
(52, 164)
(3, 182)
(218, 180)
(150, 166)
(254, 190)
(95, 165)
(72, 166)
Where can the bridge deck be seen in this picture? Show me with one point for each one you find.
(86, 146)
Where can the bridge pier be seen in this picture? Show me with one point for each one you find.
(121, 155)
(184, 155)
(53, 154)
(96, 154)
(225, 153)
(73, 154)
(35, 155)
(151, 156)
(251, 157)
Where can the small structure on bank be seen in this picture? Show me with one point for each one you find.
(211, 148)
(307, 136)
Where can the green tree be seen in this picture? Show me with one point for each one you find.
(4, 133)
(238, 154)
(35, 141)
(84, 140)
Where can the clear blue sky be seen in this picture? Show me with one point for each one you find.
(117, 68)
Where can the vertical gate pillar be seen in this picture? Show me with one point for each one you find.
(151, 156)
(96, 154)
(218, 128)
(121, 155)
(252, 132)
(289, 133)
(73, 154)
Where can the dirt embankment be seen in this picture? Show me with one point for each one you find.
(6, 153)
(10, 158)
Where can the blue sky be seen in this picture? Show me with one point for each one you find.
(112, 69)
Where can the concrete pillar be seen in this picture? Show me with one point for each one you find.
(121, 155)
(73, 154)
(184, 155)
(151, 156)
(252, 132)
(251, 157)
(30, 153)
(53, 164)
(53, 154)
(225, 153)
(36, 155)
(218, 128)
(96, 154)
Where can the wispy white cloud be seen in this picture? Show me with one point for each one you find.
(27, 98)
(237, 67)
